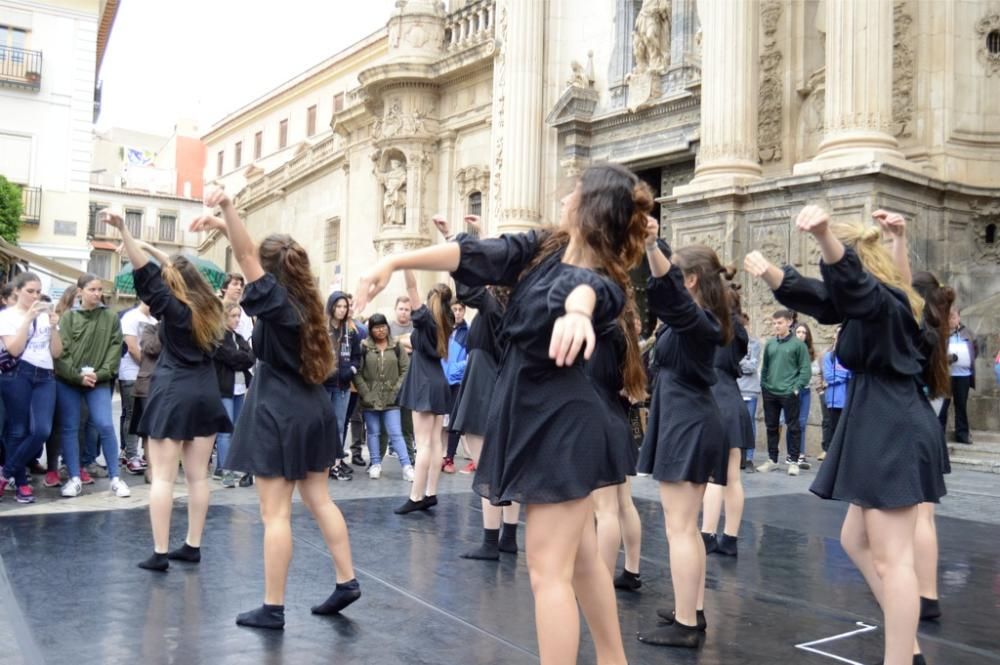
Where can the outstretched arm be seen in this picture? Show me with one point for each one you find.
(894, 226)
(815, 220)
(244, 249)
(134, 249)
(758, 266)
(439, 257)
(411, 289)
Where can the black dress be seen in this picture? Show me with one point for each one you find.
(425, 388)
(184, 399)
(886, 451)
(605, 369)
(287, 426)
(548, 438)
(685, 440)
(475, 395)
(726, 391)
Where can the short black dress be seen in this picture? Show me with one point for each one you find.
(425, 387)
(475, 395)
(605, 369)
(685, 440)
(726, 391)
(548, 438)
(886, 451)
(184, 399)
(287, 426)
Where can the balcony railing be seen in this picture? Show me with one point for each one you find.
(470, 25)
(31, 198)
(20, 68)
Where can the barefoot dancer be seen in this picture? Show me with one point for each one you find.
(286, 434)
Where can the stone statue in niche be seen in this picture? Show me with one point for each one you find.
(393, 180)
(651, 37)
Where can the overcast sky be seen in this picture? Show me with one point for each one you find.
(205, 58)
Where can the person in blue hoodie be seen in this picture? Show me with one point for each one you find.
(347, 349)
(835, 378)
(454, 369)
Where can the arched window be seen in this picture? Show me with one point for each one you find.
(991, 234)
(475, 204)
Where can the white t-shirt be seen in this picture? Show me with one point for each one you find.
(132, 323)
(245, 327)
(37, 350)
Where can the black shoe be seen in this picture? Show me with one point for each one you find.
(667, 616)
(185, 553)
(966, 440)
(749, 468)
(342, 596)
(358, 460)
(711, 542)
(429, 501)
(246, 480)
(671, 635)
(265, 616)
(628, 581)
(727, 545)
(342, 472)
(409, 507)
(930, 609)
(157, 562)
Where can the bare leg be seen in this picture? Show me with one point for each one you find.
(163, 455)
(276, 510)
(424, 435)
(608, 530)
(734, 496)
(436, 455)
(593, 588)
(491, 513)
(315, 493)
(553, 537)
(891, 535)
(681, 502)
(511, 513)
(196, 455)
(926, 543)
(711, 508)
(628, 516)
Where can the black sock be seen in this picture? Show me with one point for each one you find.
(429, 501)
(488, 551)
(672, 634)
(930, 609)
(628, 580)
(186, 553)
(508, 538)
(265, 616)
(345, 594)
(158, 562)
(409, 507)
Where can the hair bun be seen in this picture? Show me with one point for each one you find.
(871, 234)
(728, 272)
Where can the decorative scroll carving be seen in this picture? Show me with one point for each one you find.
(472, 179)
(651, 37)
(769, 123)
(984, 27)
(902, 71)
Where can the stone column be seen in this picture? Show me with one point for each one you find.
(521, 130)
(858, 112)
(729, 83)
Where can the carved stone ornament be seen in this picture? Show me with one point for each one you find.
(651, 37)
(984, 27)
(771, 95)
(472, 179)
(397, 123)
(582, 78)
(643, 89)
(902, 71)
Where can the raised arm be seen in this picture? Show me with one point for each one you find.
(815, 220)
(137, 251)
(894, 226)
(231, 226)
(411, 289)
(659, 264)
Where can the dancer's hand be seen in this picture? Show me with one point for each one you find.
(113, 220)
(208, 223)
(475, 221)
(442, 225)
(216, 197)
(652, 231)
(372, 283)
(813, 219)
(756, 264)
(893, 224)
(570, 333)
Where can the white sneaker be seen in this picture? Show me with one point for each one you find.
(767, 466)
(375, 471)
(408, 473)
(73, 487)
(119, 488)
(793, 469)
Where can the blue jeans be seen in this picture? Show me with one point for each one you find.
(233, 405)
(393, 423)
(340, 399)
(29, 395)
(98, 401)
(751, 403)
(805, 399)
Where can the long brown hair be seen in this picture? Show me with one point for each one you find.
(703, 262)
(809, 339)
(189, 286)
(67, 300)
(284, 258)
(439, 303)
(611, 219)
(938, 301)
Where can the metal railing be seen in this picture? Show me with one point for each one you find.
(31, 198)
(20, 68)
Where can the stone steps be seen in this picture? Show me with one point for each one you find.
(983, 455)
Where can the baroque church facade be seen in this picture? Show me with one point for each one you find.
(737, 112)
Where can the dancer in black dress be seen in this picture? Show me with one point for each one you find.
(938, 301)
(183, 412)
(475, 399)
(548, 442)
(425, 389)
(286, 434)
(886, 454)
(685, 446)
(739, 436)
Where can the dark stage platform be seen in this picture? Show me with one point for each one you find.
(70, 592)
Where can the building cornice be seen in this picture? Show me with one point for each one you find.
(141, 193)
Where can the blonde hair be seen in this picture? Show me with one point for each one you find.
(866, 241)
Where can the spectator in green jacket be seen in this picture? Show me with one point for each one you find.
(785, 371)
